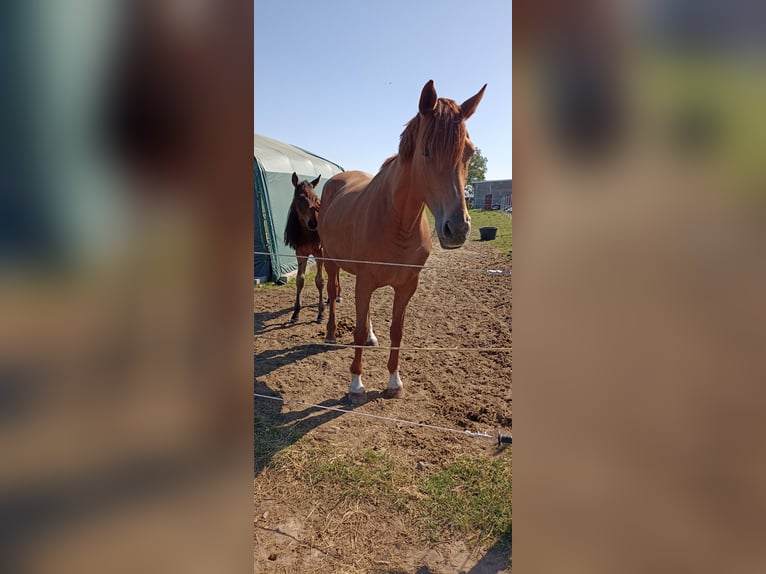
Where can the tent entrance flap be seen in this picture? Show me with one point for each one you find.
(262, 264)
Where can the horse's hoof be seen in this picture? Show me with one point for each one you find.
(320, 319)
(330, 341)
(294, 319)
(394, 393)
(358, 398)
(339, 299)
(372, 342)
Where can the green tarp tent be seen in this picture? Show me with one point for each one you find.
(274, 163)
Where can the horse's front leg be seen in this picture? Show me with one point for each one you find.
(299, 287)
(332, 290)
(362, 295)
(402, 296)
(319, 282)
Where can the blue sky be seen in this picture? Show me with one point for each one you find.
(341, 78)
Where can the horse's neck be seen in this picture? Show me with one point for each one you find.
(398, 196)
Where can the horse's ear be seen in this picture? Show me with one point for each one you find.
(295, 179)
(428, 98)
(468, 107)
(316, 181)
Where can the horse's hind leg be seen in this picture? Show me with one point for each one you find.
(299, 287)
(338, 298)
(356, 392)
(319, 282)
(372, 340)
(402, 296)
(332, 289)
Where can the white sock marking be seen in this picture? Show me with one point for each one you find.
(356, 384)
(394, 382)
(372, 339)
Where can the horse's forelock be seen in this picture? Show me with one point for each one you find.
(305, 188)
(444, 133)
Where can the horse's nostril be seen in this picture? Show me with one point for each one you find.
(312, 225)
(446, 229)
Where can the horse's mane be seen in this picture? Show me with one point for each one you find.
(388, 162)
(296, 235)
(444, 134)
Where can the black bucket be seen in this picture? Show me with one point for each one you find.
(487, 233)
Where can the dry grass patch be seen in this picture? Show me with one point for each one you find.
(357, 506)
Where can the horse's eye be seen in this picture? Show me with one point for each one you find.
(426, 152)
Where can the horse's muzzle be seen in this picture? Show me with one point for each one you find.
(453, 233)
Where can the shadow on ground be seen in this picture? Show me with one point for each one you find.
(273, 429)
(497, 559)
(271, 360)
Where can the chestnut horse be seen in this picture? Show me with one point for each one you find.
(382, 219)
(301, 234)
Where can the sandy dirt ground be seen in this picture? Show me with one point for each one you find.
(457, 304)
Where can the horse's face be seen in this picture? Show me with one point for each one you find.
(444, 190)
(306, 202)
(439, 156)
